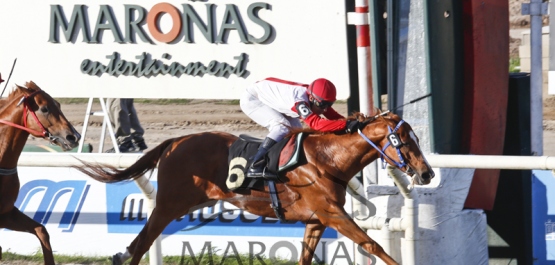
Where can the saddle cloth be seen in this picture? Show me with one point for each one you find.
(280, 157)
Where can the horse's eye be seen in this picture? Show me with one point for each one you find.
(44, 109)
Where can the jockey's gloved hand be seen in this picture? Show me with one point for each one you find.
(353, 126)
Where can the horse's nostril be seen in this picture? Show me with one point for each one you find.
(426, 175)
(71, 138)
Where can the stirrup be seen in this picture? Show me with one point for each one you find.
(255, 173)
(266, 174)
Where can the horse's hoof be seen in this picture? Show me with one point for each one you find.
(116, 259)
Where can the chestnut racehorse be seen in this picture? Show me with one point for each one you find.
(192, 172)
(28, 110)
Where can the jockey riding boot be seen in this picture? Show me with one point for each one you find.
(258, 166)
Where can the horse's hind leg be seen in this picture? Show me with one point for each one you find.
(18, 221)
(153, 228)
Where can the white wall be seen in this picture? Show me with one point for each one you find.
(308, 42)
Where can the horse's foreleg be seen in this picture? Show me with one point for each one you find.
(18, 221)
(312, 234)
(339, 220)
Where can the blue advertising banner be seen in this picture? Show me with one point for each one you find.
(127, 213)
(543, 216)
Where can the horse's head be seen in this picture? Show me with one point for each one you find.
(47, 119)
(397, 144)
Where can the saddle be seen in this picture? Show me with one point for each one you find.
(281, 157)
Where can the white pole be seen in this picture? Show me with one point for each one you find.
(360, 19)
(85, 125)
(536, 9)
(536, 82)
(155, 252)
(409, 214)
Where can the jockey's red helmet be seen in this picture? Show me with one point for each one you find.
(322, 90)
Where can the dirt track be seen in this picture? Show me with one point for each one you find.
(162, 122)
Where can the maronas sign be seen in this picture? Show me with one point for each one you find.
(201, 49)
(136, 17)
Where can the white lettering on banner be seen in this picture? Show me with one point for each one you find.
(550, 230)
(133, 208)
(51, 192)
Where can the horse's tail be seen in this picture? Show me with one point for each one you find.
(109, 174)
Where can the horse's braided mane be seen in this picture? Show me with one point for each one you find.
(376, 113)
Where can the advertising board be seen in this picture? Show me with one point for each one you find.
(543, 216)
(89, 218)
(174, 49)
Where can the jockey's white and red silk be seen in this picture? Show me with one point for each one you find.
(283, 96)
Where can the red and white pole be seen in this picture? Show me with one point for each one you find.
(360, 19)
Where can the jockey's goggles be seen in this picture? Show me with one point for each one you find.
(322, 104)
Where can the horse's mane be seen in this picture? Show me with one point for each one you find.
(376, 114)
(29, 87)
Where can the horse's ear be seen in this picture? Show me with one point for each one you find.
(21, 87)
(360, 116)
(32, 85)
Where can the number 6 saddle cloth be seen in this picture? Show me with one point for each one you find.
(282, 156)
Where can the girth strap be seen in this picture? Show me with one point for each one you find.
(276, 204)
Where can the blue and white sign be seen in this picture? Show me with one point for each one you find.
(127, 214)
(543, 216)
(75, 209)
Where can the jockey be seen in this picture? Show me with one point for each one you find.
(279, 105)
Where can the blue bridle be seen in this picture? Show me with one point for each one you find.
(401, 162)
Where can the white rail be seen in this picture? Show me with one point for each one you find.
(37, 159)
(492, 162)
(32, 159)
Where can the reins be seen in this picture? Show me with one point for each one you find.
(393, 140)
(26, 111)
